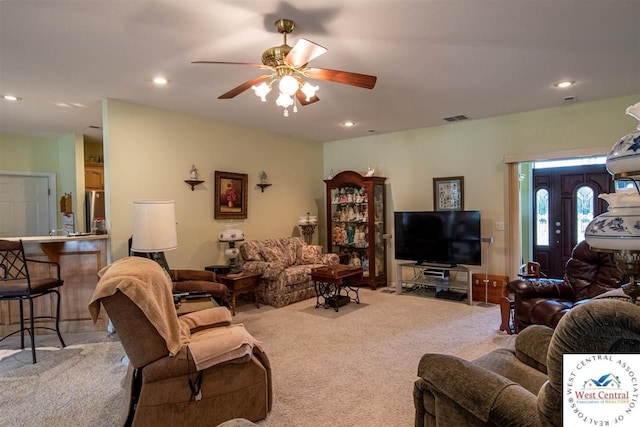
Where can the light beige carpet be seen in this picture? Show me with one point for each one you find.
(352, 368)
(358, 369)
(79, 385)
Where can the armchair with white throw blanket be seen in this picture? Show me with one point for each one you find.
(196, 370)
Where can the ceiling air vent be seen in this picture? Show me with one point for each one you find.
(457, 118)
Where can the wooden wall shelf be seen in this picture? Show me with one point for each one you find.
(263, 186)
(193, 183)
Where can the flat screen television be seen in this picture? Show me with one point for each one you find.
(445, 238)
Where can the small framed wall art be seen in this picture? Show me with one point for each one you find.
(448, 193)
(231, 195)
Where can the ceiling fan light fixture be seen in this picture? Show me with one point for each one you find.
(284, 100)
(309, 90)
(289, 67)
(261, 91)
(289, 85)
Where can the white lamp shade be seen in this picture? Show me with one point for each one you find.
(619, 227)
(309, 90)
(261, 90)
(154, 226)
(623, 160)
(288, 85)
(231, 234)
(284, 100)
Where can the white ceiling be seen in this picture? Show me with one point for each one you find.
(433, 59)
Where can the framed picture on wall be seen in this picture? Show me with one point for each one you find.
(230, 201)
(448, 193)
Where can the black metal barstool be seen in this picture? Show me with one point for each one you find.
(16, 284)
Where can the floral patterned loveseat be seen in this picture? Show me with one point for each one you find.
(285, 265)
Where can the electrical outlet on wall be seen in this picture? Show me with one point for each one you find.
(499, 226)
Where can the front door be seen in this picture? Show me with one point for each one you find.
(565, 200)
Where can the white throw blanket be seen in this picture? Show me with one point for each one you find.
(209, 335)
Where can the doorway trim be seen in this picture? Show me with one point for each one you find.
(51, 178)
(514, 241)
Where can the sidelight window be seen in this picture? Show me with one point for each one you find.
(542, 217)
(584, 211)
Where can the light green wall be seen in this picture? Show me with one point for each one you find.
(148, 155)
(19, 153)
(28, 153)
(475, 149)
(70, 154)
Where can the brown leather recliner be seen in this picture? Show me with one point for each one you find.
(191, 280)
(544, 301)
(199, 281)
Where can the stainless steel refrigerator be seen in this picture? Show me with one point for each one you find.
(94, 207)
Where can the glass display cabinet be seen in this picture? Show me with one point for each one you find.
(356, 223)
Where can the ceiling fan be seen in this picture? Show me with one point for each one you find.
(288, 66)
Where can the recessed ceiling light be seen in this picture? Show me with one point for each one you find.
(348, 123)
(564, 84)
(11, 98)
(160, 81)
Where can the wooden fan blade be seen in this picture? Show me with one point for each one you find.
(303, 52)
(244, 86)
(344, 77)
(302, 98)
(227, 63)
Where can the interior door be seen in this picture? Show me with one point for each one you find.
(24, 205)
(564, 201)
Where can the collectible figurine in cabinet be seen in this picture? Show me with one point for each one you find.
(351, 231)
(365, 265)
(340, 237)
(337, 235)
(360, 240)
(351, 214)
(355, 261)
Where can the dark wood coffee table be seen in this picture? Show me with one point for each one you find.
(329, 281)
(240, 283)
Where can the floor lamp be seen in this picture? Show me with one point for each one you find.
(154, 229)
(307, 225)
(488, 241)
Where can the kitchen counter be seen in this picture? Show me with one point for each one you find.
(80, 258)
(47, 239)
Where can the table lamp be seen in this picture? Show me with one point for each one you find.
(154, 229)
(231, 235)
